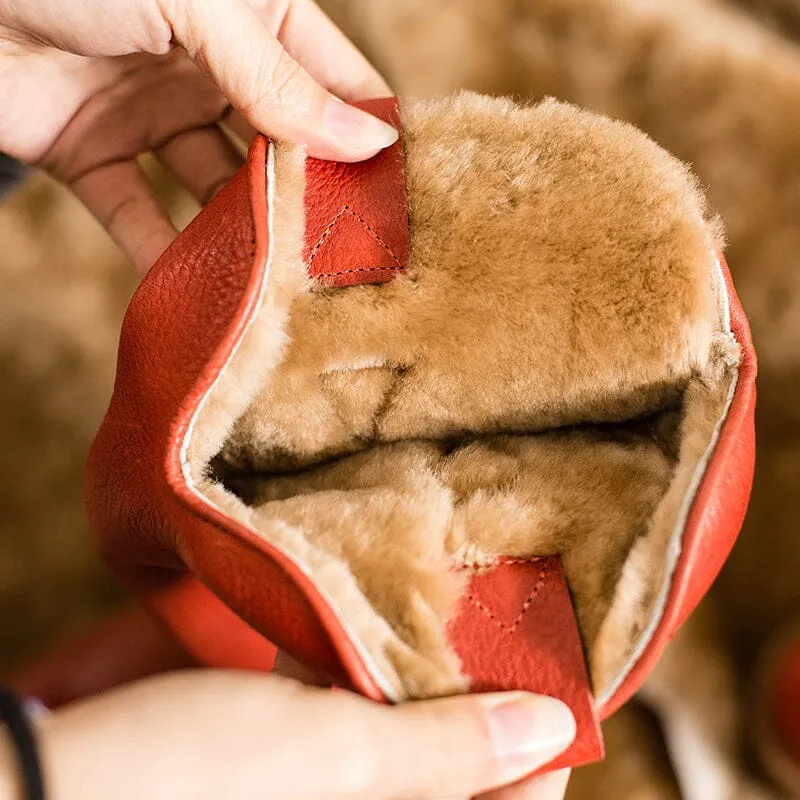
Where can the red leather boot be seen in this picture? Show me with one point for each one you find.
(475, 414)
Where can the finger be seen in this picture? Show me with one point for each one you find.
(202, 160)
(118, 650)
(457, 747)
(552, 786)
(121, 198)
(270, 89)
(164, 98)
(463, 746)
(301, 26)
(312, 39)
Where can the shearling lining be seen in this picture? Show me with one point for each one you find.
(545, 378)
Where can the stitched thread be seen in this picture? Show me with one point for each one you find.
(497, 562)
(509, 629)
(346, 209)
(360, 269)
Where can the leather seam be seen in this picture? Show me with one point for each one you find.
(387, 268)
(500, 561)
(371, 231)
(510, 629)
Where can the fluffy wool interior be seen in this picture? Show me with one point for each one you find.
(546, 377)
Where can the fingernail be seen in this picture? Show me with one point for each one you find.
(356, 129)
(528, 731)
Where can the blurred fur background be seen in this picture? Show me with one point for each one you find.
(717, 82)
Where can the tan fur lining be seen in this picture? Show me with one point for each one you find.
(561, 274)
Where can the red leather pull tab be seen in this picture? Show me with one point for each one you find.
(357, 214)
(516, 629)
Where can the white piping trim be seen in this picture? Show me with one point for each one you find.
(676, 540)
(726, 301)
(186, 472)
(253, 313)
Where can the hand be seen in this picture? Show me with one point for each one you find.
(86, 86)
(214, 734)
(132, 644)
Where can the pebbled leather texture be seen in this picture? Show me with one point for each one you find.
(357, 215)
(187, 561)
(516, 628)
(221, 588)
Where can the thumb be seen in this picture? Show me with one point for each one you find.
(271, 90)
(467, 745)
(456, 747)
